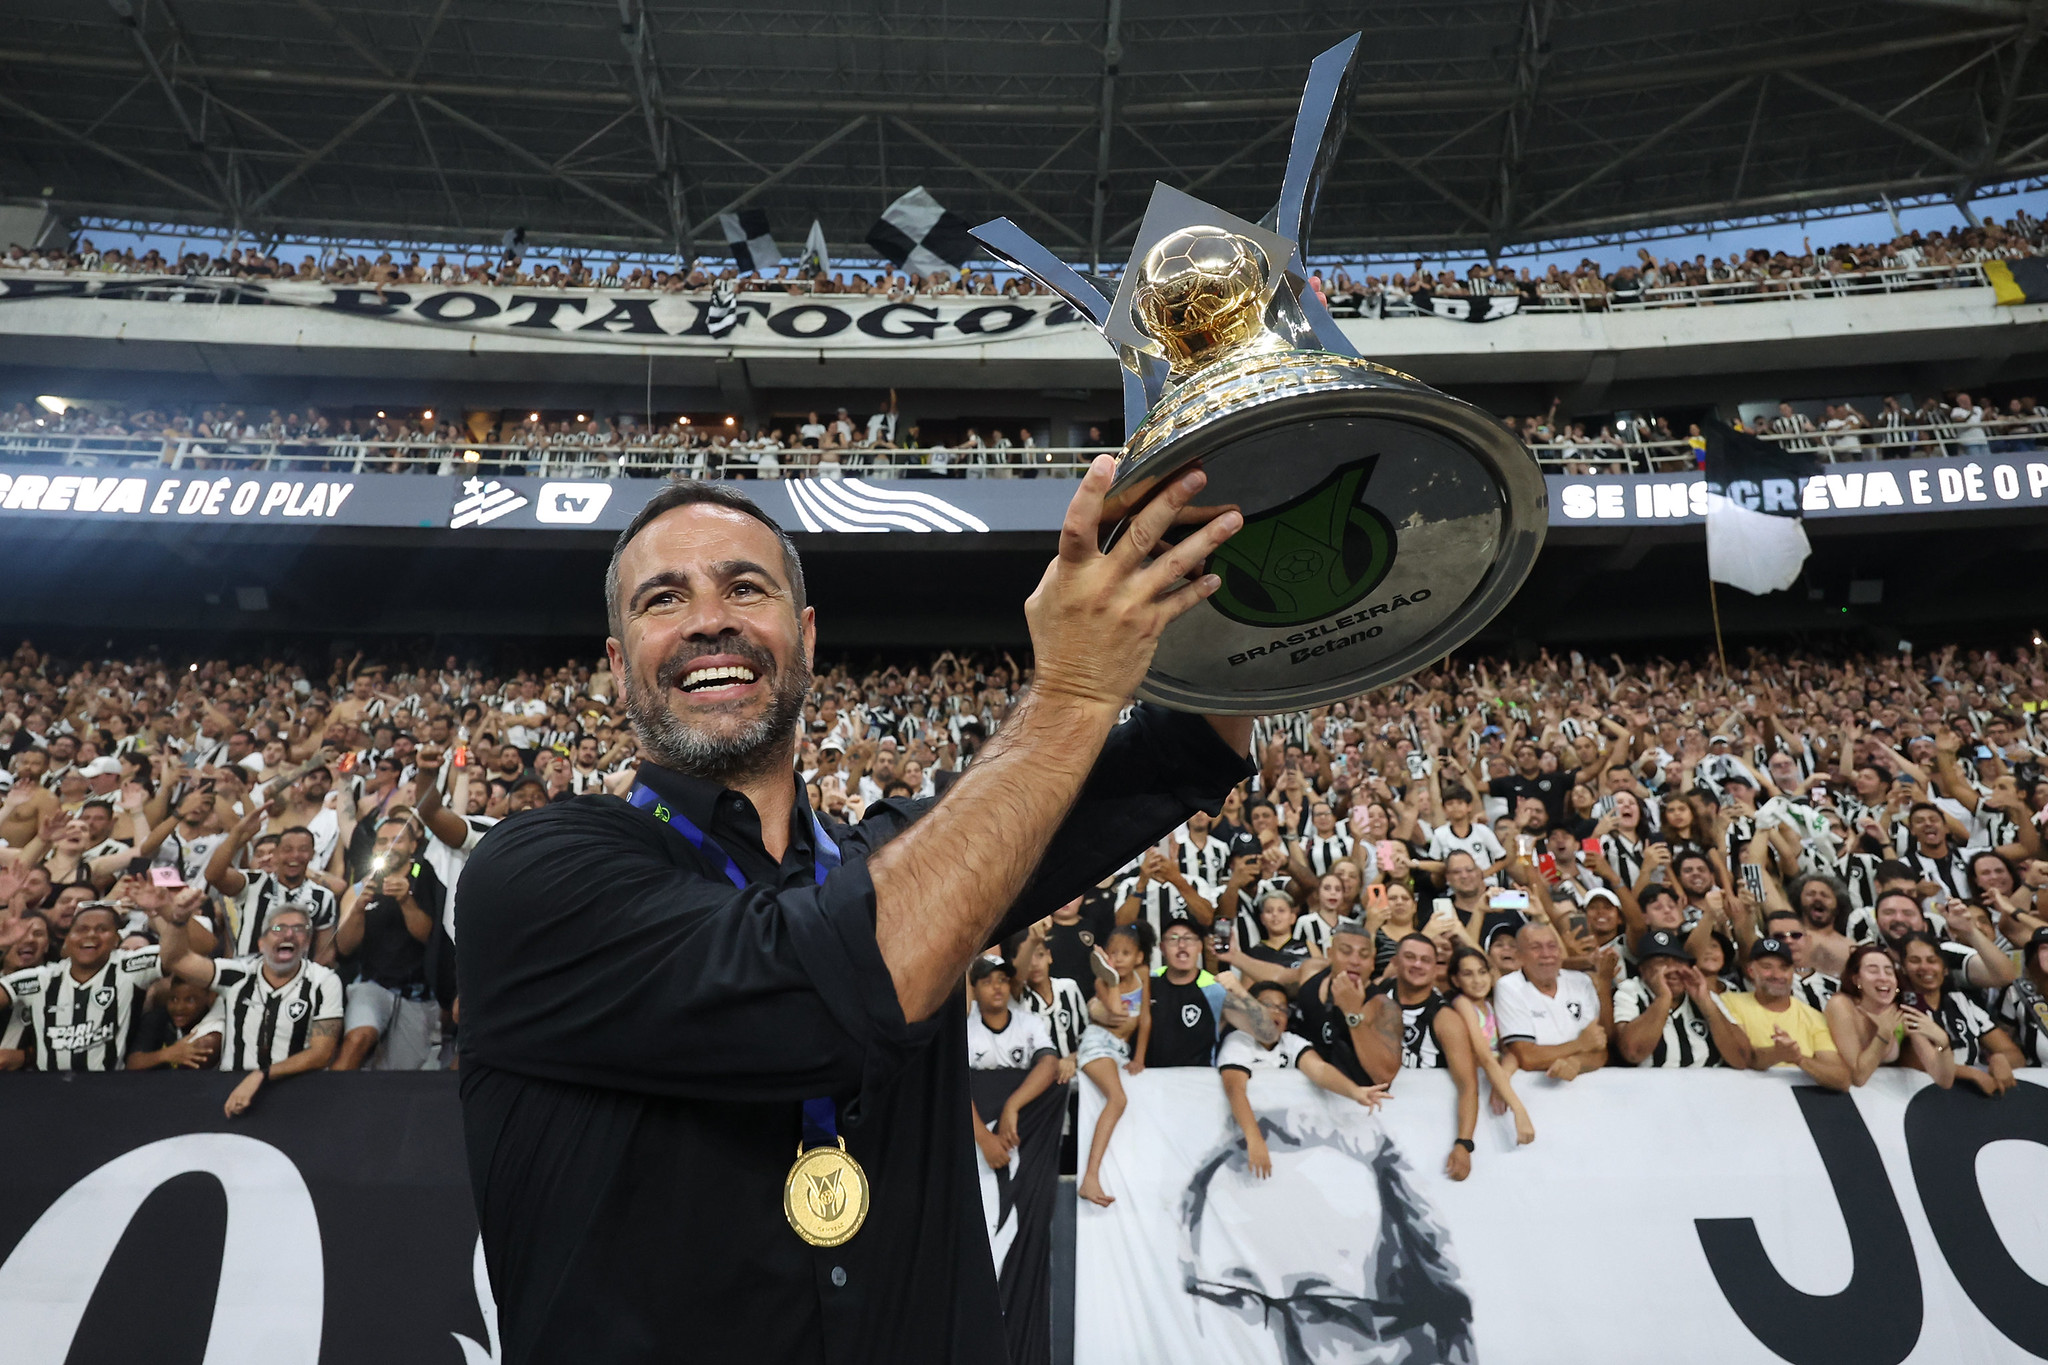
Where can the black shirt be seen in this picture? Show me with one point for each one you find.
(638, 1036)
(1322, 1023)
(1184, 1025)
(1549, 788)
(1071, 944)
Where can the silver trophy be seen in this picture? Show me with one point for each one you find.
(1385, 522)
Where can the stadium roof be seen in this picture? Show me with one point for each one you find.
(634, 123)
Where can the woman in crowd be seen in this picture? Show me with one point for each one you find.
(1471, 980)
(1984, 1056)
(1872, 1029)
(2022, 1007)
(1622, 845)
(1280, 944)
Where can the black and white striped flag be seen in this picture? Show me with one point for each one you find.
(753, 249)
(817, 257)
(724, 313)
(922, 235)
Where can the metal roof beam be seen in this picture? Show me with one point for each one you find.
(989, 181)
(1630, 153)
(321, 153)
(1532, 54)
(789, 168)
(530, 159)
(93, 144)
(1841, 101)
(1112, 59)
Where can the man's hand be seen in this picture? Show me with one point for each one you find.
(1096, 617)
(1458, 1164)
(1347, 992)
(1563, 1069)
(244, 1094)
(395, 886)
(195, 1054)
(1256, 1156)
(1593, 1038)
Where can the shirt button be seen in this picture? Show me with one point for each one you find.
(839, 1277)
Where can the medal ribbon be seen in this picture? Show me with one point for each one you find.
(821, 1116)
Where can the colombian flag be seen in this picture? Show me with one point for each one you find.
(2022, 281)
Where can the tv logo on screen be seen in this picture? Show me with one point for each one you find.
(571, 504)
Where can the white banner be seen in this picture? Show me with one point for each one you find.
(1720, 1217)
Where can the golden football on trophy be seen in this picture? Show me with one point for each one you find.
(1203, 292)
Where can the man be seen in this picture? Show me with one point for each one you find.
(1529, 780)
(387, 921)
(278, 1013)
(666, 998)
(1358, 1034)
(1974, 958)
(255, 894)
(1660, 1013)
(1823, 906)
(1434, 1037)
(1187, 1003)
(1810, 985)
(1164, 896)
(1549, 1017)
(79, 1008)
(1766, 1027)
(1931, 854)
(1071, 936)
(1696, 883)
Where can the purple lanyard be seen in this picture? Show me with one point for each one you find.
(821, 1116)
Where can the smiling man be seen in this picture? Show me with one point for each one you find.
(668, 998)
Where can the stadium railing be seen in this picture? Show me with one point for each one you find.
(2001, 435)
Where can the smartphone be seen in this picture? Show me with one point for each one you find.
(461, 758)
(1417, 765)
(1508, 900)
(165, 876)
(1753, 881)
(1376, 897)
(1547, 865)
(137, 866)
(1589, 845)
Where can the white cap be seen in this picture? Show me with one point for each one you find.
(105, 766)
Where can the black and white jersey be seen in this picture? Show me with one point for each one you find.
(2021, 1009)
(1324, 854)
(265, 892)
(1241, 1052)
(1208, 861)
(73, 1025)
(1477, 840)
(1966, 1023)
(1419, 1050)
(1623, 855)
(1023, 1039)
(1066, 1014)
(1951, 869)
(188, 855)
(1686, 1042)
(1291, 726)
(584, 783)
(1816, 989)
(1313, 930)
(260, 1024)
(1160, 904)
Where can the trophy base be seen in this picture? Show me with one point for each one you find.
(1385, 523)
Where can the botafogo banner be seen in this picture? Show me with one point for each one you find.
(1720, 1217)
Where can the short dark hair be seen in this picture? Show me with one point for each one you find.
(684, 492)
(1260, 988)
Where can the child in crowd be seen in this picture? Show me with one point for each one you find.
(1120, 1025)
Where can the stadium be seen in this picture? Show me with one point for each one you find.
(358, 361)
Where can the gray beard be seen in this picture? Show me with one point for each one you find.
(756, 750)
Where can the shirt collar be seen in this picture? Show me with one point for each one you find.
(730, 819)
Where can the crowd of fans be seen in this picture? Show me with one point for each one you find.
(590, 446)
(1912, 259)
(1832, 864)
(1927, 256)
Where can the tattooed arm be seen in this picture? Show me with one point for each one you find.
(1242, 1012)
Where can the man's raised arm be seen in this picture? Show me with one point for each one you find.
(943, 885)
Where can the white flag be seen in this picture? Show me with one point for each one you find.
(816, 259)
(1754, 551)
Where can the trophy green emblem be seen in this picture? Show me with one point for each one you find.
(1385, 522)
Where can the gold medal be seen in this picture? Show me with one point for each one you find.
(826, 1195)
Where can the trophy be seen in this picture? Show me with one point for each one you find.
(1384, 522)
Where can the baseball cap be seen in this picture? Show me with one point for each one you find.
(106, 766)
(2039, 940)
(1770, 947)
(1662, 943)
(1601, 893)
(986, 967)
(832, 742)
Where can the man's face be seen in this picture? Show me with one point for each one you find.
(97, 820)
(283, 944)
(92, 938)
(1793, 935)
(294, 855)
(1898, 915)
(586, 752)
(1696, 875)
(186, 1003)
(1351, 954)
(1182, 949)
(1264, 821)
(992, 992)
(1771, 976)
(1416, 962)
(1817, 902)
(714, 655)
(1927, 827)
(63, 749)
(1462, 874)
(315, 785)
(1541, 953)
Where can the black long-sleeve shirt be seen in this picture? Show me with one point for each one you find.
(638, 1036)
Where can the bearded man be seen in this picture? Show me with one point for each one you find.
(668, 997)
